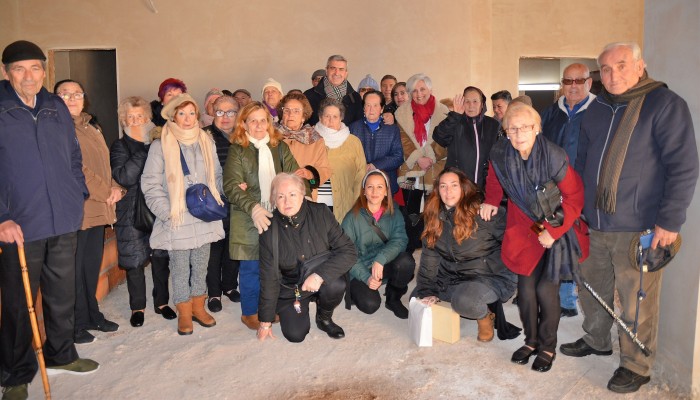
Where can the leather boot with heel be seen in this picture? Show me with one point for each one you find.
(486, 327)
(393, 301)
(184, 317)
(324, 321)
(199, 314)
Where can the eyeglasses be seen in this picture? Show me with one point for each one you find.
(68, 96)
(293, 111)
(229, 113)
(522, 129)
(579, 81)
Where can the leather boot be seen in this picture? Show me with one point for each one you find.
(393, 301)
(184, 317)
(251, 321)
(486, 327)
(199, 314)
(324, 321)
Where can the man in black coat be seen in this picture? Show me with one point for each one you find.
(336, 84)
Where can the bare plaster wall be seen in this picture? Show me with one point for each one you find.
(672, 56)
(231, 44)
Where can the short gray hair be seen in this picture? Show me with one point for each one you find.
(226, 99)
(336, 57)
(284, 177)
(633, 46)
(331, 102)
(411, 82)
(133, 102)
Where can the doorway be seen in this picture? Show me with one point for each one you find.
(96, 70)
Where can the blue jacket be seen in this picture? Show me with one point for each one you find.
(660, 169)
(382, 148)
(562, 130)
(42, 186)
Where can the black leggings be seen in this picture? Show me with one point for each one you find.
(538, 303)
(399, 272)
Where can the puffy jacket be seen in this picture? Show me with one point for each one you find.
(382, 148)
(456, 134)
(660, 170)
(312, 231)
(127, 158)
(563, 130)
(242, 166)
(98, 175)
(193, 232)
(352, 102)
(475, 259)
(42, 186)
(370, 247)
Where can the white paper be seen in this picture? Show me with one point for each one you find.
(420, 323)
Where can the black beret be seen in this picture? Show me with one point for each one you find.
(22, 50)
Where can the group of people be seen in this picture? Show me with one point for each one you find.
(327, 195)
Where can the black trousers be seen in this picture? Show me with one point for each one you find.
(88, 259)
(411, 214)
(295, 326)
(51, 266)
(399, 272)
(136, 282)
(222, 272)
(538, 303)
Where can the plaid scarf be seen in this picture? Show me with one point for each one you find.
(336, 92)
(614, 158)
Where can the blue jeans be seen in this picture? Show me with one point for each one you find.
(249, 284)
(567, 294)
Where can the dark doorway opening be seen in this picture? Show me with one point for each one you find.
(96, 70)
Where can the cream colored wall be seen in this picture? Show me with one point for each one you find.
(240, 44)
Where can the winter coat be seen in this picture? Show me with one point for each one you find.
(313, 157)
(242, 166)
(411, 150)
(127, 158)
(352, 102)
(156, 108)
(563, 130)
(98, 174)
(660, 170)
(192, 233)
(312, 231)
(370, 247)
(382, 148)
(221, 141)
(42, 186)
(349, 167)
(477, 258)
(456, 134)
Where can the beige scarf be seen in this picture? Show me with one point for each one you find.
(171, 137)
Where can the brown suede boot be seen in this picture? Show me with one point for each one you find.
(184, 317)
(199, 314)
(486, 327)
(251, 321)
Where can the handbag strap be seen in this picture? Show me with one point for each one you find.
(185, 170)
(375, 226)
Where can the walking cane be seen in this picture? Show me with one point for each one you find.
(35, 326)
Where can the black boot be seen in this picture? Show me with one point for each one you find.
(393, 301)
(325, 323)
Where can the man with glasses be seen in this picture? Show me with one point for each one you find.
(638, 160)
(42, 191)
(222, 272)
(335, 84)
(561, 123)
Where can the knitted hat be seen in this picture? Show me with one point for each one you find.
(170, 83)
(272, 83)
(211, 96)
(317, 73)
(22, 50)
(169, 109)
(368, 82)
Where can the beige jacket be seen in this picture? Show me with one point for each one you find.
(349, 166)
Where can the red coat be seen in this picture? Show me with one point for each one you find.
(521, 251)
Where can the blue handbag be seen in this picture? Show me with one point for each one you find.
(200, 202)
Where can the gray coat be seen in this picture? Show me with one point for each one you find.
(193, 233)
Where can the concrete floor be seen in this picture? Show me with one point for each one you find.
(376, 360)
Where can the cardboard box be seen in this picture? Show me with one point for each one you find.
(445, 323)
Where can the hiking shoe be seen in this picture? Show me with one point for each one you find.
(81, 366)
(18, 392)
(83, 337)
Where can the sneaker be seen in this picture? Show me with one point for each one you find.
(106, 326)
(83, 337)
(81, 366)
(626, 381)
(18, 392)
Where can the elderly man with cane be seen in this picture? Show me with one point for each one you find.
(42, 190)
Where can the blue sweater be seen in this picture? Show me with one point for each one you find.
(382, 148)
(42, 186)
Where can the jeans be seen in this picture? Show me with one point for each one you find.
(249, 284)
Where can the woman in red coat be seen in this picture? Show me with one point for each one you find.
(541, 249)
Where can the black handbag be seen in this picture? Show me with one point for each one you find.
(549, 199)
(143, 217)
(200, 202)
(305, 267)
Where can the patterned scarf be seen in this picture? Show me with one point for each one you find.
(606, 194)
(305, 135)
(335, 92)
(421, 116)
